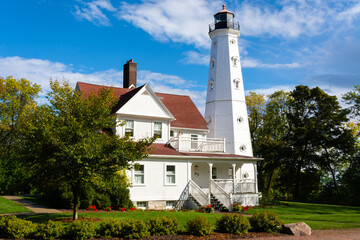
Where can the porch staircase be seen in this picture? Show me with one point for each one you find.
(217, 205)
(195, 202)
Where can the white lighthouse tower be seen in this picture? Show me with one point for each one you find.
(225, 110)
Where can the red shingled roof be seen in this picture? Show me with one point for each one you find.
(167, 149)
(181, 107)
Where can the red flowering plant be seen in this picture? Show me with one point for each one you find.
(122, 209)
(238, 208)
(206, 209)
(132, 209)
(108, 209)
(92, 208)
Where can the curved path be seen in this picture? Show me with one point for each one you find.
(34, 207)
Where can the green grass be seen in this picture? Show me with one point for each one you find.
(317, 216)
(8, 206)
(182, 217)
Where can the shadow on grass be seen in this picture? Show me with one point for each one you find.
(43, 218)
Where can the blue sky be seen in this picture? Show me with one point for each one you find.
(283, 43)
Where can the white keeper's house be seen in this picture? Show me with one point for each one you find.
(196, 161)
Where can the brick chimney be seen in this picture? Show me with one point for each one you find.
(129, 74)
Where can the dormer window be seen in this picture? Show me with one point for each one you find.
(158, 129)
(129, 128)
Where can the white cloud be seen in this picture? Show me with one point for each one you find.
(41, 71)
(184, 21)
(350, 14)
(192, 57)
(92, 11)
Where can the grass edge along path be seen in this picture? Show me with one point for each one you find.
(8, 206)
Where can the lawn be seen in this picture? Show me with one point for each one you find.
(317, 216)
(8, 206)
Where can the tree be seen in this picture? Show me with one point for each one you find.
(353, 98)
(69, 140)
(17, 100)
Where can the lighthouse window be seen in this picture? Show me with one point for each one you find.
(242, 148)
(212, 62)
(211, 85)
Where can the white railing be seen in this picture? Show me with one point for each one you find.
(226, 184)
(221, 195)
(188, 144)
(246, 186)
(197, 193)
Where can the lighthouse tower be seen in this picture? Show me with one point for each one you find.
(225, 110)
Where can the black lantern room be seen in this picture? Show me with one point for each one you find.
(224, 19)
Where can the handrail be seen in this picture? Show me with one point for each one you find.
(224, 24)
(198, 194)
(184, 197)
(221, 195)
(183, 143)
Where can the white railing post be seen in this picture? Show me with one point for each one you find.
(234, 173)
(224, 144)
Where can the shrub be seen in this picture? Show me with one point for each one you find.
(207, 209)
(134, 228)
(200, 226)
(51, 230)
(232, 223)
(80, 230)
(13, 227)
(237, 207)
(163, 226)
(265, 222)
(109, 228)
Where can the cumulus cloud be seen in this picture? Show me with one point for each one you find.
(93, 12)
(40, 71)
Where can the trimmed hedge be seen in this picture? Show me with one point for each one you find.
(109, 228)
(199, 226)
(160, 226)
(134, 228)
(51, 230)
(232, 223)
(80, 230)
(13, 227)
(265, 222)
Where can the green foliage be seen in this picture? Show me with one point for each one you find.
(163, 226)
(80, 230)
(232, 223)
(134, 228)
(200, 226)
(51, 230)
(265, 222)
(109, 228)
(353, 98)
(68, 141)
(13, 227)
(17, 101)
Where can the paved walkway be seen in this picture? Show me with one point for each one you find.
(34, 207)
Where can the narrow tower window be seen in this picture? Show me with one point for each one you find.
(235, 61)
(212, 62)
(237, 83)
(211, 84)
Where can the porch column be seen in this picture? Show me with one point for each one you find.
(255, 177)
(189, 165)
(234, 177)
(210, 176)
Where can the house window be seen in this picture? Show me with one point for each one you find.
(157, 129)
(170, 204)
(129, 128)
(171, 133)
(139, 175)
(170, 174)
(214, 173)
(142, 205)
(231, 173)
(194, 142)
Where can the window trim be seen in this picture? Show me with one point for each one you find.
(166, 183)
(143, 174)
(133, 127)
(161, 130)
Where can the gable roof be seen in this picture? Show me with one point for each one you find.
(181, 107)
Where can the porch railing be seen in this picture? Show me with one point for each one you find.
(221, 195)
(197, 193)
(246, 186)
(188, 144)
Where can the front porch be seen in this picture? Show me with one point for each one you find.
(220, 184)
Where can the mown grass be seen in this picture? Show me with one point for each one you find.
(317, 216)
(8, 206)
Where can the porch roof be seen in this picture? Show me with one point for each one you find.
(168, 150)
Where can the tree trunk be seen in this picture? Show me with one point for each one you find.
(334, 179)
(269, 182)
(76, 194)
